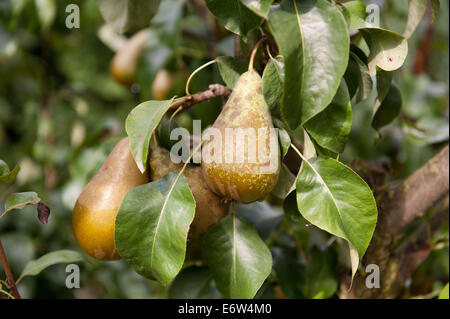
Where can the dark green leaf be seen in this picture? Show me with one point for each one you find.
(234, 15)
(231, 69)
(238, 258)
(273, 82)
(260, 7)
(193, 282)
(320, 278)
(313, 39)
(152, 226)
(140, 124)
(289, 270)
(263, 217)
(389, 108)
(331, 127)
(286, 180)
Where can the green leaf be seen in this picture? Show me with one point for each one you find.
(334, 198)
(239, 260)
(128, 15)
(140, 124)
(264, 217)
(152, 226)
(34, 267)
(354, 13)
(388, 50)
(416, 10)
(320, 277)
(259, 7)
(285, 141)
(444, 293)
(331, 127)
(313, 39)
(6, 175)
(234, 15)
(20, 200)
(163, 133)
(289, 270)
(193, 282)
(389, 109)
(357, 76)
(273, 82)
(231, 69)
(285, 183)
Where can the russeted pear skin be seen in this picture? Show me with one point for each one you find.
(94, 214)
(243, 181)
(123, 64)
(209, 208)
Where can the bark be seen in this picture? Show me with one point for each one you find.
(399, 205)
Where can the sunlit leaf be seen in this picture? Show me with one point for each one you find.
(140, 124)
(334, 198)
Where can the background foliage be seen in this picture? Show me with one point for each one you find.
(61, 113)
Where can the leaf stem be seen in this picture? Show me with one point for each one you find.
(8, 272)
(195, 72)
(299, 153)
(254, 50)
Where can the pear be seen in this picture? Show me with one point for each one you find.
(123, 64)
(161, 84)
(209, 208)
(94, 214)
(251, 177)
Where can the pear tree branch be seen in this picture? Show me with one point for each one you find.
(401, 204)
(8, 273)
(215, 90)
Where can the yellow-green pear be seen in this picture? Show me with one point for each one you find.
(246, 167)
(123, 64)
(94, 214)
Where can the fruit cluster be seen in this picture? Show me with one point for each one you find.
(214, 185)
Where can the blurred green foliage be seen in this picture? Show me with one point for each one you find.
(61, 113)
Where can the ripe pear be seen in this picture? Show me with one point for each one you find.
(123, 64)
(209, 208)
(253, 177)
(94, 214)
(161, 84)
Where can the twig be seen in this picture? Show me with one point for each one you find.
(215, 90)
(8, 272)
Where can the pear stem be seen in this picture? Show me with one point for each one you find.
(195, 72)
(255, 49)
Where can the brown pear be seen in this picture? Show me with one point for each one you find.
(209, 207)
(94, 214)
(123, 64)
(246, 167)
